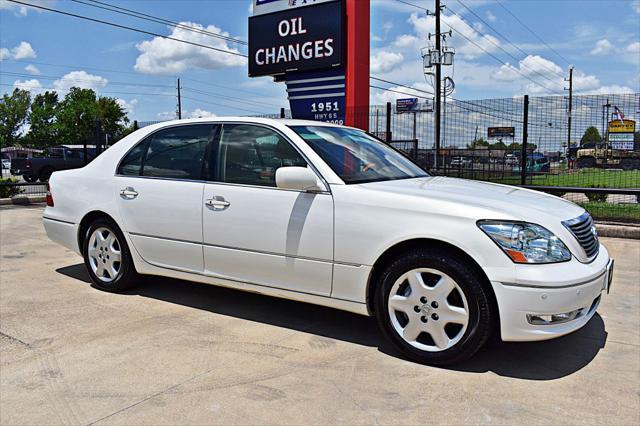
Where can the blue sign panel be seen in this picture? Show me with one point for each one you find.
(317, 95)
(406, 104)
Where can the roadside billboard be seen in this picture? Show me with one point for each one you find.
(299, 39)
(621, 134)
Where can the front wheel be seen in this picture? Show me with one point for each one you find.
(433, 307)
(107, 257)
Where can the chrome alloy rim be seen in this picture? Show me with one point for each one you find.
(105, 256)
(428, 309)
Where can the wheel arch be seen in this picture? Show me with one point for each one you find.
(86, 222)
(405, 246)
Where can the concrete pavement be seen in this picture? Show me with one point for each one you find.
(173, 352)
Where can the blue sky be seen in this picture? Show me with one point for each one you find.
(41, 50)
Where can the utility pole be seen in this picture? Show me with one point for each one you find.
(179, 102)
(570, 109)
(437, 85)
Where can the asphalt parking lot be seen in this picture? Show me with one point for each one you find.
(174, 352)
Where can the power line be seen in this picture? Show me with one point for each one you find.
(532, 32)
(87, 18)
(222, 105)
(503, 36)
(398, 91)
(151, 18)
(480, 47)
(231, 98)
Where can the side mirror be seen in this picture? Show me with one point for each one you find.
(298, 178)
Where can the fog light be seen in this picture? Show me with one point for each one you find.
(541, 319)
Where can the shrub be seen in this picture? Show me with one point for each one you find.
(597, 197)
(9, 191)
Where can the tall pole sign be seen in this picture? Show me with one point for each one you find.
(318, 48)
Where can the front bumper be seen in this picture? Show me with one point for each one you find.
(518, 303)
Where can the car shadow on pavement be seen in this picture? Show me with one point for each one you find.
(546, 360)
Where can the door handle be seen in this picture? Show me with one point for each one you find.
(217, 203)
(128, 193)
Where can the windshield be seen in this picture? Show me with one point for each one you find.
(356, 156)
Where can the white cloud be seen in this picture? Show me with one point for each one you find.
(81, 79)
(22, 10)
(602, 47)
(166, 115)
(201, 113)
(384, 61)
(32, 69)
(162, 56)
(34, 86)
(128, 106)
(21, 51)
(490, 16)
(633, 48)
(406, 40)
(612, 89)
(636, 6)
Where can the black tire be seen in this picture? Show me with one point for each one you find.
(45, 174)
(627, 164)
(480, 310)
(586, 162)
(29, 178)
(127, 275)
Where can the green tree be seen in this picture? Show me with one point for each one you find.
(590, 138)
(113, 118)
(75, 116)
(498, 145)
(43, 131)
(13, 114)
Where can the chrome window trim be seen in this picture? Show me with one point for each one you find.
(221, 124)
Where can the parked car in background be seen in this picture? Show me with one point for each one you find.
(511, 160)
(460, 162)
(536, 164)
(6, 163)
(62, 157)
(327, 214)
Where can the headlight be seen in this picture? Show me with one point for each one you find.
(526, 242)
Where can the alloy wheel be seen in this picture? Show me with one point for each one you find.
(428, 309)
(105, 256)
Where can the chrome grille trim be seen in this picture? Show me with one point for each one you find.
(581, 228)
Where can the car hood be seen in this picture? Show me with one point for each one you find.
(483, 200)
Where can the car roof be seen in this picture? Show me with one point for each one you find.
(257, 120)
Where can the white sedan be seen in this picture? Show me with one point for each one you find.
(329, 215)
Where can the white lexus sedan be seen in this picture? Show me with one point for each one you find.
(329, 215)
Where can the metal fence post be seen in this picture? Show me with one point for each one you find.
(525, 135)
(135, 125)
(387, 135)
(281, 112)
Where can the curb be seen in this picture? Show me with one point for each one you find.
(22, 200)
(618, 231)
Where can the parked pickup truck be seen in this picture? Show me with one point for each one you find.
(62, 157)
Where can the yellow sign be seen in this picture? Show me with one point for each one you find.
(622, 126)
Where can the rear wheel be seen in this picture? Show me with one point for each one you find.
(45, 174)
(586, 162)
(627, 164)
(107, 257)
(29, 178)
(433, 307)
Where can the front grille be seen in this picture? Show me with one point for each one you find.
(585, 232)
